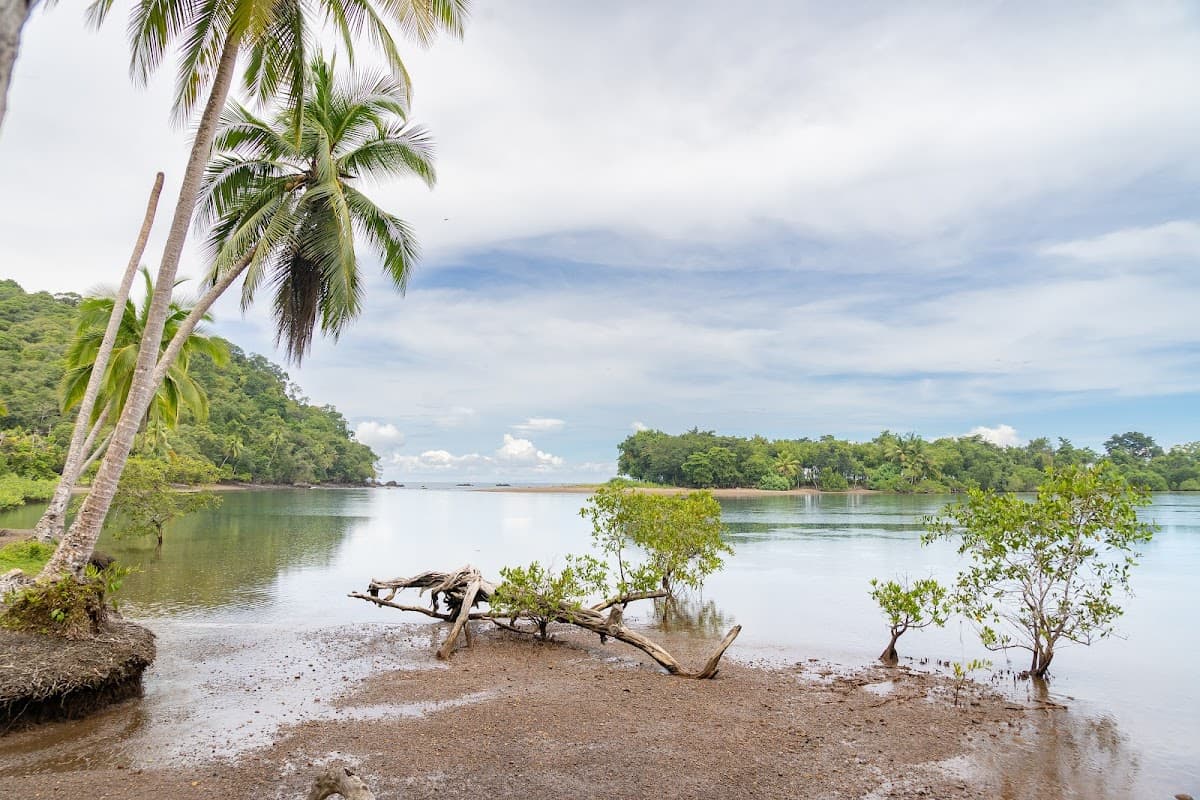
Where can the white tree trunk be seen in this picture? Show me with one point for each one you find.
(13, 14)
(50, 526)
(75, 548)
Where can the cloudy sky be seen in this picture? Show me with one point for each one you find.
(923, 217)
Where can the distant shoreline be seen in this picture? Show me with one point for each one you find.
(589, 488)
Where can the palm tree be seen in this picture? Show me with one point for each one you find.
(13, 14)
(787, 465)
(233, 449)
(289, 210)
(177, 393)
(274, 35)
(83, 435)
(275, 438)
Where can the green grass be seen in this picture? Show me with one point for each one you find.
(27, 556)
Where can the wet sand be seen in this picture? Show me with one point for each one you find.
(515, 718)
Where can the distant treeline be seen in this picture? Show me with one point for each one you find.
(891, 462)
(259, 427)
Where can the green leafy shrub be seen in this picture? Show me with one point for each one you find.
(774, 483)
(831, 480)
(541, 594)
(1043, 573)
(145, 501)
(1190, 485)
(909, 607)
(678, 537)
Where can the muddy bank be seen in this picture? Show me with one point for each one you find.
(513, 718)
(46, 678)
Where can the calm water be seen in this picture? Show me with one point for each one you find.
(274, 565)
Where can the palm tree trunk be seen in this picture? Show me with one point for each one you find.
(50, 526)
(77, 545)
(96, 453)
(13, 14)
(193, 319)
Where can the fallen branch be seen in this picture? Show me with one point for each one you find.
(464, 589)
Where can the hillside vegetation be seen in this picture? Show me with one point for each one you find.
(259, 428)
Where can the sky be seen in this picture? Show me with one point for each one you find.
(824, 218)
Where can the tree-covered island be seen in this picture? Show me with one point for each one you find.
(904, 463)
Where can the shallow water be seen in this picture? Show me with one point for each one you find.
(242, 598)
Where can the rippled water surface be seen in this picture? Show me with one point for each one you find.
(275, 564)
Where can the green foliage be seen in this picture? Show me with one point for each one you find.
(179, 392)
(679, 537)
(963, 671)
(291, 203)
(890, 463)
(832, 481)
(34, 332)
(540, 594)
(17, 491)
(146, 502)
(28, 556)
(70, 607)
(915, 606)
(1046, 571)
(285, 439)
(30, 455)
(774, 483)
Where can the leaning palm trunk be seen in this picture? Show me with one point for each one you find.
(75, 548)
(13, 14)
(50, 526)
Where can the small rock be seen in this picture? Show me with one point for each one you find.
(1182, 796)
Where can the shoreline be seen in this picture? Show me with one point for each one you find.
(590, 488)
(515, 718)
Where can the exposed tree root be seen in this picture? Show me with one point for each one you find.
(464, 589)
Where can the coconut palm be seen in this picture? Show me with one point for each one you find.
(274, 35)
(288, 212)
(178, 392)
(233, 449)
(787, 465)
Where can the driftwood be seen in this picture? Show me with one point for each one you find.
(463, 590)
(340, 781)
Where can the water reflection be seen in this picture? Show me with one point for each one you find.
(233, 555)
(691, 614)
(1063, 754)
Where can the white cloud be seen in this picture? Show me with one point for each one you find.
(1001, 435)
(639, 426)
(378, 435)
(514, 458)
(824, 123)
(539, 425)
(522, 452)
(1178, 239)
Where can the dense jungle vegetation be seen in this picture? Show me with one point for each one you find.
(259, 427)
(892, 462)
